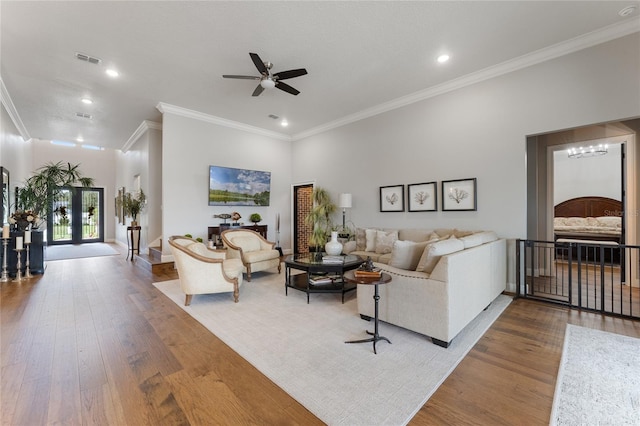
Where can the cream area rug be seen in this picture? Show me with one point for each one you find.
(599, 379)
(77, 251)
(301, 348)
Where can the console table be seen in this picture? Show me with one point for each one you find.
(213, 232)
(133, 241)
(36, 253)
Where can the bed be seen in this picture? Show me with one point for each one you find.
(589, 220)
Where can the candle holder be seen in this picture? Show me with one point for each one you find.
(27, 272)
(18, 277)
(5, 275)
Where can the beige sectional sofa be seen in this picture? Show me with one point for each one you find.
(441, 278)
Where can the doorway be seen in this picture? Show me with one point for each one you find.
(78, 217)
(302, 205)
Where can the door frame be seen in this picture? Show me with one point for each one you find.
(76, 218)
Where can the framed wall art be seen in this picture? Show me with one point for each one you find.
(459, 195)
(229, 186)
(392, 198)
(422, 197)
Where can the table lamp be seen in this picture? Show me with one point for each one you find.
(345, 203)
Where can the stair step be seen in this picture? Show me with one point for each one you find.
(155, 266)
(155, 253)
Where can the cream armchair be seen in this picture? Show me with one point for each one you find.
(255, 252)
(203, 270)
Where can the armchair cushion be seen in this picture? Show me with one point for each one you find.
(247, 244)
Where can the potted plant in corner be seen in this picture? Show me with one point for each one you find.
(39, 192)
(319, 217)
(133, 204)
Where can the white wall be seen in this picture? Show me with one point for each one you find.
(143, 159)
(477, 131)
(589, 176)
(15, 152)
(189, 147)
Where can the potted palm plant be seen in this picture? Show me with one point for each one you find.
(133, 204)
(319, 217)
(41, 190)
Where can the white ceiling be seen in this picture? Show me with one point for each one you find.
(361, 57)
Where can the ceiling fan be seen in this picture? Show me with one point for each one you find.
(268, 80)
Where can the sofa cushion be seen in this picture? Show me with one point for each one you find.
(246, 243)
(406, 254)
(472, 240)
(487, 236)
(370, 239)
(434, 251)
(385, 240)
(384, 258)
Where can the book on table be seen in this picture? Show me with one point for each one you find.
(323, 279)
(333, 259)
(362, 273)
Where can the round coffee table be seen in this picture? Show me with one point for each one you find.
(384, 278)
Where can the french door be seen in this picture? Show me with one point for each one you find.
(78, 217)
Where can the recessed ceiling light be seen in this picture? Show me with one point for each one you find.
(443, 58)
(284, 123)
(87, 101)
(80, 139)
(627, 10)
(112, 73)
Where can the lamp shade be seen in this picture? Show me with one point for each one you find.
(345, 201)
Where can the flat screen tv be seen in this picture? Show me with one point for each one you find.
(238, 187)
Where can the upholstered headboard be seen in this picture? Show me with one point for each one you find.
(588, 207)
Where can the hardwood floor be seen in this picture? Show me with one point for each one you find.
(93, 342)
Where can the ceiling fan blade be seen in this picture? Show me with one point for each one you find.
(258, 90)
(244, 77)
(259, 63)
(286, 88)
(282, 75)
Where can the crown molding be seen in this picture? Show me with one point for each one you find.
(141, 130)
(5, 98)
(163, 108)
(603, 35)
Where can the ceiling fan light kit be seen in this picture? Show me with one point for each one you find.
(267, 80)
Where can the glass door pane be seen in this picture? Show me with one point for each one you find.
(91, 214)
(62, 217)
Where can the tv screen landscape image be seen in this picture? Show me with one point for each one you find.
(238, 187)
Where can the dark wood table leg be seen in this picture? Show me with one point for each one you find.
(376, 337)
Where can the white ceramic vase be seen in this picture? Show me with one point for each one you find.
(333, 247)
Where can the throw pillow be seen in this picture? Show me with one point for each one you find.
(370, 240)
(385, 240)
(361, 239)
(406, 254)
(434, 251)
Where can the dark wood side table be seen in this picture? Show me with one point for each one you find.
(383, 279)
(133, 243)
